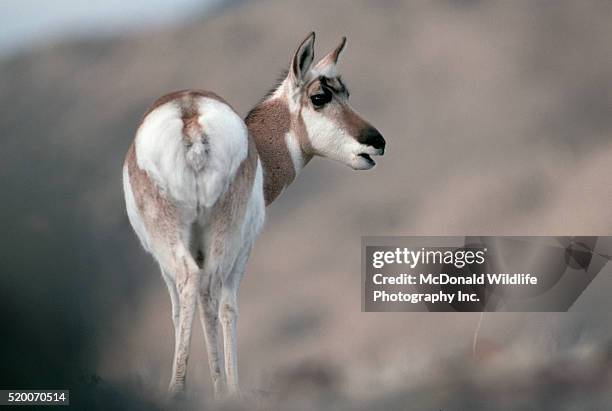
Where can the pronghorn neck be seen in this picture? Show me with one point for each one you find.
(281, 140)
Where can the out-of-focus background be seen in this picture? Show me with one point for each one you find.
(498, 118)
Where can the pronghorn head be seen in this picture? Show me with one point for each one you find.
(318, 99)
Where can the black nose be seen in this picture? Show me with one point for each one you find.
(371, 137)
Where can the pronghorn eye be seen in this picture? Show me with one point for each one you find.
(319, 100)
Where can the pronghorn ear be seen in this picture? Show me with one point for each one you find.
(332, 57)
(303, 59)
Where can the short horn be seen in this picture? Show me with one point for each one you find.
(332, 57)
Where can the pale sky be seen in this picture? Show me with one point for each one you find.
(24, 23)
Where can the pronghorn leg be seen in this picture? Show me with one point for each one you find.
(174, 299)
(229, 317)
(208, 303)
(187, 284)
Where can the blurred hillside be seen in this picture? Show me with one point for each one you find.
(498, 119)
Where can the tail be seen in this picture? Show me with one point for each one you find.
(197, 152)
(217, 142)
(212, 181)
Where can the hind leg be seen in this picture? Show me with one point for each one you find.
(174, 300)
(208, 304)
(187, 279)
(229, 318)
(219, 259)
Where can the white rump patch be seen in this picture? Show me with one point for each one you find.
(200, 174)
(227, 137)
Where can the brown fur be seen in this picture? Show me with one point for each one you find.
(189, 114)
(268, 123)
(353, 122)
(182, 95)
(158, 214)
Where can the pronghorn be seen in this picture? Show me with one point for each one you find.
(197, 180)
